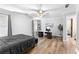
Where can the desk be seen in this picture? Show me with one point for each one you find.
(40, 34)
(49, 35)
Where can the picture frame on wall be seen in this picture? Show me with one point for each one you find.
(49, 25)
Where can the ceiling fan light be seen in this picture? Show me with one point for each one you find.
(40, 11)
(40, 15)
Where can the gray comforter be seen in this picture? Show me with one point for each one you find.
(16, 44)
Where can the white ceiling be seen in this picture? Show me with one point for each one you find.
(30, 8)
(43, 6)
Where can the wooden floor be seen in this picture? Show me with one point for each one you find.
(54, 46)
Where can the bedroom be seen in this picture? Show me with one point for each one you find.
(46, 26)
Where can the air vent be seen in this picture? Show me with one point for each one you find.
(67, 5)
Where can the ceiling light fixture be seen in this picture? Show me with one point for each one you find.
(40, 12)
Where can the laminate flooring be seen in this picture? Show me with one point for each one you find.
(54, 46)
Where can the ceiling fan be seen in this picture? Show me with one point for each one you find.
(35, 12)
(40, 12)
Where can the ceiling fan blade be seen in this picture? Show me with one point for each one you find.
(45, 13)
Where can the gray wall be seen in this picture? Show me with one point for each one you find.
(56, 21)
(21, 24)
(3, 25)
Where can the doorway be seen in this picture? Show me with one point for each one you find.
(71, 27)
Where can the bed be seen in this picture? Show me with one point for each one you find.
(17, 44)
